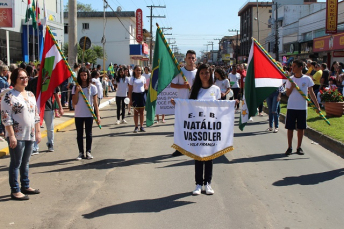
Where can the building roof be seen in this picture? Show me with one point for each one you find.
(101, 14)
(250, 4)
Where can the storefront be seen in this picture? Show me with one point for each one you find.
(139, 54)
(329, 48)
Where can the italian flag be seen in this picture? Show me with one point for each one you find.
(263, 77)
(53, 72)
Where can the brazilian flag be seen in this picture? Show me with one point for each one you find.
(165, 68)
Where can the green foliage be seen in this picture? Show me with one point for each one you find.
(328, 95)
(80, 7)
(91, 55)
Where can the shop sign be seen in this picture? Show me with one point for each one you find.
(139, 30)
(7, 13)
(331, 16)
(226, 57)
(145, 49)
(329, 43)
(338, 54)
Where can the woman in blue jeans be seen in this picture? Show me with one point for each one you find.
(21, 120)
(273, 102)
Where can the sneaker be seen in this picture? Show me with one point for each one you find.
(197, 190)
(117, 122)
(50, 147)
(142, 129)
(34, 153)
(136, 130)
(299, 151)
(89, 155)
(81, 156)
(269, 129)
(176, 153)
(250, 120)
(275, 130)
(289, 151)
(123, 121)
(209, 190)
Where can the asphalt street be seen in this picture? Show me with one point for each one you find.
(133, 182)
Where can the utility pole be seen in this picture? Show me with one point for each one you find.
(151, 16)
(164, 28)
(72, 32)
(276, 34)
(173, 47)
(103, 39)
(212, 48)
(257, 21)
(237, 46)
(169, 40)
(218, 55)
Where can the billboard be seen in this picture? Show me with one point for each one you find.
(329, 43)
(139, 30)
(331, 16)
(7, 13)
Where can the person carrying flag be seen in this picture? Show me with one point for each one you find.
(184, 87)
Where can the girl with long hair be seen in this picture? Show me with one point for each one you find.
(83, 116)
(137, 86)
(128, 76)
(121, 85)
(222, 82)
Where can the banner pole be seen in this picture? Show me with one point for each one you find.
(290, 80)
(74, 78)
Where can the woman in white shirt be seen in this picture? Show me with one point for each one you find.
(222, 82)
(21, 120)
(137, 86)
(204, 89)
(147, 75)
(128, 76)
(83, 116)
(234, 78)
(121, 85)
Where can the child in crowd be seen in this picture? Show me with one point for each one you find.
(121, 85)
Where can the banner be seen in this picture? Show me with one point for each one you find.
(7, 13)
(139, 24)
(163, 103)
(203, 130)
(331, 16)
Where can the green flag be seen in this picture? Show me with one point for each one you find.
(165, 68)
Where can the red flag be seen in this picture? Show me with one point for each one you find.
(38, 13)
(53, 72)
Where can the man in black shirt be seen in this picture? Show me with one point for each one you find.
(325, 76)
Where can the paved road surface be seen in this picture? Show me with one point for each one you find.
(132, 182)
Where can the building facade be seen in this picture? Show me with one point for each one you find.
(23, 41)
(120, 36)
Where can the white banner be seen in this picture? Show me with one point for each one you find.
(203, 130)
(163, 102)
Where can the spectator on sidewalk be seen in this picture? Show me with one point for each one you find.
(316, 77)
(3, 85)
(297, 106)
(82, 114)
(21, 119)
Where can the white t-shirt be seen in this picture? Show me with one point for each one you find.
(296, 101)
(223, 85)
(122, 87)
(147, 76)
(190, 77)
(211, 93)
(138, 84)
(81, 109)
(99, 86)
(234, 78)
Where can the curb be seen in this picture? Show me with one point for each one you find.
(325, 141)
(59, 127)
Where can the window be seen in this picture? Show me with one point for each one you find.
(65, 28)
(85, 26)
(270, 11)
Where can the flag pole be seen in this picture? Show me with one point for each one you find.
(33, 42)
(290, 80)
(171, 54)
(74, 78)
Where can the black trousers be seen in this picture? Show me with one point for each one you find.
(207, 168)
(79, 125)
(120, 107)
(236, 95)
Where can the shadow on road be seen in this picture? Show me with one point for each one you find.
(310, 179)
(5, 198)
(43, 164)
(245, 134)
(139, 206)
(219, 160)
(111, 163)
(168, 134)
(267, 157)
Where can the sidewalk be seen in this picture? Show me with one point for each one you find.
(60, 123)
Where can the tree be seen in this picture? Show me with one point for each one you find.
(91, 55)
(80, 7)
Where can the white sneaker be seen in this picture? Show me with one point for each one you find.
(81, 155)
(209, 190)
(89, 155)
(197, 190)
(250, 120)
(117, 122)
(123, 121)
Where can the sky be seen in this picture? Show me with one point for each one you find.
(195, 23)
